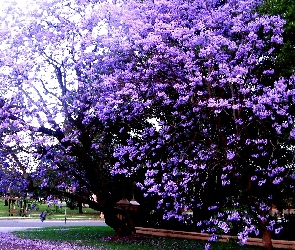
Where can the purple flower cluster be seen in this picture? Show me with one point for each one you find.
(43, 216)
(9, 241)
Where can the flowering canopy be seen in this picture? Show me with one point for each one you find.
(55, 128)
(204, 72)
(184, 89)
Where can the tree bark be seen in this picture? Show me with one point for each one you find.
(80, 207)
(266, 239)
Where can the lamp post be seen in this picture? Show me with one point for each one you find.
(134, 205)
(66, 213)
(124, 205)
(7, 197)
(127, 213)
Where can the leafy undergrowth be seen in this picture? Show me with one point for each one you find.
(104, 238)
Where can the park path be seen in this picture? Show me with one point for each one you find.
(9, 225)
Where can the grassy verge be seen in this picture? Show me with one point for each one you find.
(102, 237)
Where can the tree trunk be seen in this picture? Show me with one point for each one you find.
(266, 239)
(80, 207)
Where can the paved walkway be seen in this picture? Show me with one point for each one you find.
(9, 225)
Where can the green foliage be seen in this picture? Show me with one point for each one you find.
(54, 209)
(53, 212)
(285, 62)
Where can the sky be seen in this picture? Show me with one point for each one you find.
(23, 4)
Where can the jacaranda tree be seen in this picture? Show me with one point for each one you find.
(204, 72)
(56, 132)
(181, 89)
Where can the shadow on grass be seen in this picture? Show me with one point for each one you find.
(105, 237)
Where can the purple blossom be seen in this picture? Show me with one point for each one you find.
(277, 181)
(207, 246)
(234, 216)
(253, 178)
(43, 216)
(230, 155)
(277, 230)
(213, 237)
(212, 207)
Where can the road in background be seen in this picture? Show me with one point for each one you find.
(23, 224)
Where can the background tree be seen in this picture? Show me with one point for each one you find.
(284, 62)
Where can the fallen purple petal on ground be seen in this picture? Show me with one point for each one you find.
(9, 242)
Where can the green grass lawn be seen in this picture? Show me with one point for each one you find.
(54, 212)
(100, 237)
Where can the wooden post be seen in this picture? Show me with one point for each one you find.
(9, 204)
